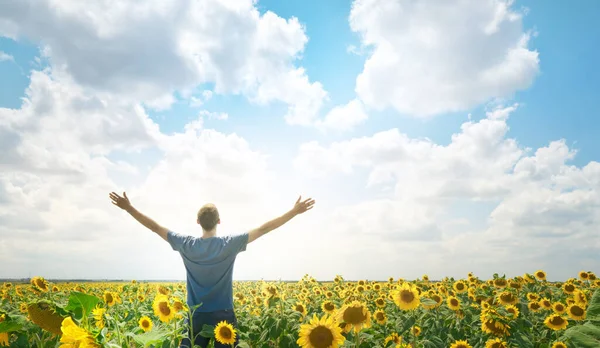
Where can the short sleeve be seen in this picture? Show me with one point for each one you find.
(178, 242)
(236, 244)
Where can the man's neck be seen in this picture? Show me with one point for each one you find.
(208, 234)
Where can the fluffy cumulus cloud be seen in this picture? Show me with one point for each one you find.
(343, 117)
(152, 49)
(541, 211)
(6, 57)
(67, 147)
(388, 204)
(435, 56)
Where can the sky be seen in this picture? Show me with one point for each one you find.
(437, 137)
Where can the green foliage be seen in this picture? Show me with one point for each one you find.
(81, 304)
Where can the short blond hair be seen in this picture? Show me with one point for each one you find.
(208, 216)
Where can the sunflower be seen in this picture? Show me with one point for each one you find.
(320, 333)
(493, 327)
(74, 336)
(163, 290)
(513, 310)
(559, 307)
(406, 297)
(508, 298)
(534, 306)
(569, 288)
(515, 284)
(576, 312)
(110, 298)
(583, 275)
(258, 301)
(491, 324)
(23, 307)
(380, 302)
(460, 287)
(500, 283)
(163, 309)
(580, 298)
(540, 275)
(145, 323)
(416, 330)
(300, 308)
(528, 278)
(98, 314)
(453, 303)
(355, 314)
(532, 296)
(45, 316)
(328, 307)
(460, 344)
(495, 343)
(394, 338)
(225, 333)
(4, 339)
(40, 283)
(178, 306)
(559, 344)
(544, 302)
(380, 316)
(270, 290)
(556, 322)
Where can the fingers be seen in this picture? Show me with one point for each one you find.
(114, 195)
(299, 198)
(125, 195)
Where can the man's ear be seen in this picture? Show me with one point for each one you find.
(219, 221)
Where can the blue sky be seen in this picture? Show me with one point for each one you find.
(560, 104)
(465, 188)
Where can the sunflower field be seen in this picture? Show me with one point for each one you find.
(525, 311)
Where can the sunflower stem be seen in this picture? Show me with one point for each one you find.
(118, 331)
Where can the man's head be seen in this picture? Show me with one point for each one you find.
(208, 217)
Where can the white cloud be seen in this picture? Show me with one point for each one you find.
(532, 199)
(344, 117)
(57, 168)
(436, 56)
(147, 51)
(6, 57)
(161, 103)
(198, 101)
(214, 115)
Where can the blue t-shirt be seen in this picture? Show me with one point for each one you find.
(209, 266)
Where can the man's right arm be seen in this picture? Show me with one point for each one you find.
(299, 208)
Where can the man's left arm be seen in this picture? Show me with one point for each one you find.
(149, 223)
(125, 204)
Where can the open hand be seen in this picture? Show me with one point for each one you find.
(121, 202)
(302, 206)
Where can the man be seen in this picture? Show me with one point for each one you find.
(209, 262)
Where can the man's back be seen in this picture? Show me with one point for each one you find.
(209, 265)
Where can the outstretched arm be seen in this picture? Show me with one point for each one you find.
(125, 204)
(299, 208)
